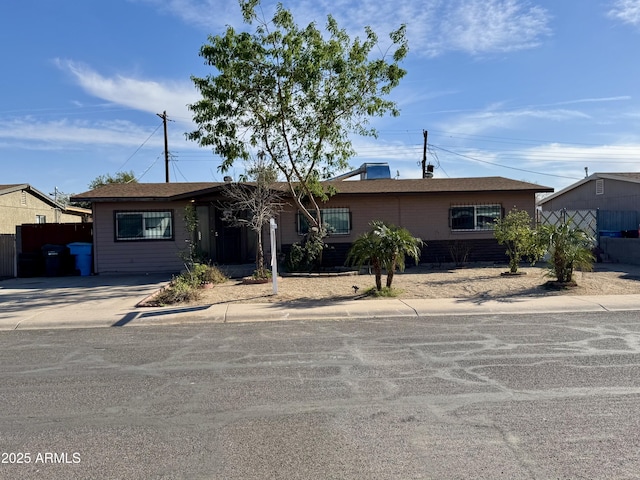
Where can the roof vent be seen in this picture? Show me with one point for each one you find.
(429, 172)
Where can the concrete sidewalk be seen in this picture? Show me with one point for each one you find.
(108, 301)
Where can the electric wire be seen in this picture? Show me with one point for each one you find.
(138, 149)
(503, 166)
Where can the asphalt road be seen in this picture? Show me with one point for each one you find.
(545, 396)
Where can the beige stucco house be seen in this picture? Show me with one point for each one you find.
(21, 203)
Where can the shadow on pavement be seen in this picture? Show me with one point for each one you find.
(20, 294)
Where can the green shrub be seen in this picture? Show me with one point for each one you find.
(186, 286)
(569, 249)
(211, 274)
(261, 274)
(180, 289)
(384, 292)
(306, 256)
(201, 273)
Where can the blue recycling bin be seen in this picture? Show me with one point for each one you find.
(82, 251)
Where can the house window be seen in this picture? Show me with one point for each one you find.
(474, 217)
(41, 219)
(336, 220)
(600, 186)
(147, 225)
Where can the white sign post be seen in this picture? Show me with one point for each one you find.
(274, 256)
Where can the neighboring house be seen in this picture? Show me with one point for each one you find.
(606, 205)
(141, 227)
(21, 203)
(604, 191)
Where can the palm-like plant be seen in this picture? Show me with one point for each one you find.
(366, 250)
(384, 246)
(569, 248)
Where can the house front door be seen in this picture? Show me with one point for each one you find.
(228, 241)
(204, 232)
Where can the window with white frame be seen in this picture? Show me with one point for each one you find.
(41, 219)
(336, 220)
(474, 217)
(144, 225)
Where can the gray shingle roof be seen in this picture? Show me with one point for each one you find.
(631, 177)
(175, 191)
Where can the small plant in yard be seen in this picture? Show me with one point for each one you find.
(262, 273)
(384, 247)
(180, 289)
(210, 274)
(304, 256)
(186, 287)
(516, 233)
(569, 249)
(384, 292)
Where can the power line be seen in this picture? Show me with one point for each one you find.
(503, 166)
(148, 168)
(138, 149)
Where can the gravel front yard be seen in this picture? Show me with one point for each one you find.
(482, 281)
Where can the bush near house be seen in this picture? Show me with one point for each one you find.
(569, 248)
(516, 232)
(384, 247)
(186, 286)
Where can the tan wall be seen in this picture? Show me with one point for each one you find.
(425, 216)
(16, 209)
(137, 256)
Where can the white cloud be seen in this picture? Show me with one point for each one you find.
(66, 134)
(140, 94)
(627, 11)
(207, 14)
(616, 157)
(434, 27)
(490, 26)
(480, 122)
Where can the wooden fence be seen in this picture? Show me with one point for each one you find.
(7, 255)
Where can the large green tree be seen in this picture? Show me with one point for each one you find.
(295, 95)
(119, 177)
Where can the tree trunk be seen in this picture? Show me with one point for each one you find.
(390, 273)
(377, 270)
(259, 253)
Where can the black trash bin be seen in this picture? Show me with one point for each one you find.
(55, 259)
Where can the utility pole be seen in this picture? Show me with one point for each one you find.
(424, 155)
(163, 116)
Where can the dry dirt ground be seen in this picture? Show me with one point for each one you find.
(479, 281)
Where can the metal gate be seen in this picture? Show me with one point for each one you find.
(586, 220)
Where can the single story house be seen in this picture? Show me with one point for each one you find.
(606, 205)
(140, 227)
(21, 203)
(603, 191)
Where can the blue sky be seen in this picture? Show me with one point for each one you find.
(533, 90)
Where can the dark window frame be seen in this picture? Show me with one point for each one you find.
(148, 216)
(480, 222)
(302, 226)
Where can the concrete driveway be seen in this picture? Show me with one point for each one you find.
(65, 300)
